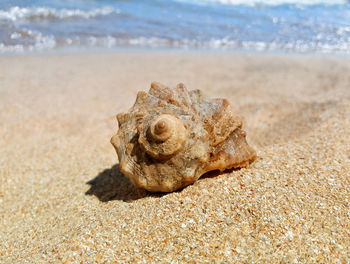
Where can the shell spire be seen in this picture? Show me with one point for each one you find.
(163, 137)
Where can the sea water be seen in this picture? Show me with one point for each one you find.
(298, 26)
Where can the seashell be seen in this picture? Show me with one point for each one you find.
(170, 137)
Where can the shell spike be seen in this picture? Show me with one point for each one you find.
(122, 117)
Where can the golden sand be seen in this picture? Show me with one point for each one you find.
(63, 199)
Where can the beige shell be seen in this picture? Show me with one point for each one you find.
(170, 137)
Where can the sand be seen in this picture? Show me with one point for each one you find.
(63, 199)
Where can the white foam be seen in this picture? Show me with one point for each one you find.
(25, 13)
(15, 35)
(39, 42)
(43, 42)
(269, 2)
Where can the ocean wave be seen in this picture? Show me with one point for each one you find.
(43, 13)
(253, 3)
(43, 42)
(36, 41)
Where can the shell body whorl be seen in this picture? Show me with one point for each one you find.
(170, 137)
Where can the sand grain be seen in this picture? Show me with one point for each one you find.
(56, 119)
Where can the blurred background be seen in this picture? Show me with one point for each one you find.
(295, 26)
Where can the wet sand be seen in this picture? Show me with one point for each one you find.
(63, 199)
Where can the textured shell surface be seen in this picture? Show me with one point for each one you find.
(170, 137)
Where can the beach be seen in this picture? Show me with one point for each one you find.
(64, 200)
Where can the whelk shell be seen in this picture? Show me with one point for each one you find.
(170, 137)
